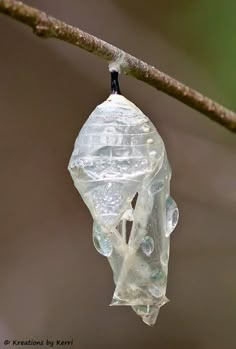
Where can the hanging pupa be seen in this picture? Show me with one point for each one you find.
(118, 156)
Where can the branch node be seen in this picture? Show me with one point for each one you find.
(42, 30)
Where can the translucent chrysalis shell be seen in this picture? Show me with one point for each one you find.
(118, 154)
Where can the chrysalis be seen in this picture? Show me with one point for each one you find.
(119, 155)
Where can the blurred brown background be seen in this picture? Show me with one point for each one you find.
(53, 283)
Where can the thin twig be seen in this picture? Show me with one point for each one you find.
(49, 27)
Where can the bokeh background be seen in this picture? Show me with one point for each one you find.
(53, 283)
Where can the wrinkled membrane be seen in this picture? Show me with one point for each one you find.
(117, 156)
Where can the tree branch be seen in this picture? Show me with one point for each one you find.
(49, 27)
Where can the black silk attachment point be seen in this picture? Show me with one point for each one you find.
(115, 88)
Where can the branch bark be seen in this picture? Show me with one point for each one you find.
(49, 27)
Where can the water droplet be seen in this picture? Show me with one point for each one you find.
(158, 275)
(150, 141)
(143, 162)
(142, 309)
(147, 245)
(172, 215)
(156, 187)
(157, 290)
(102, 241)
(153, 153)
(146, 128)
